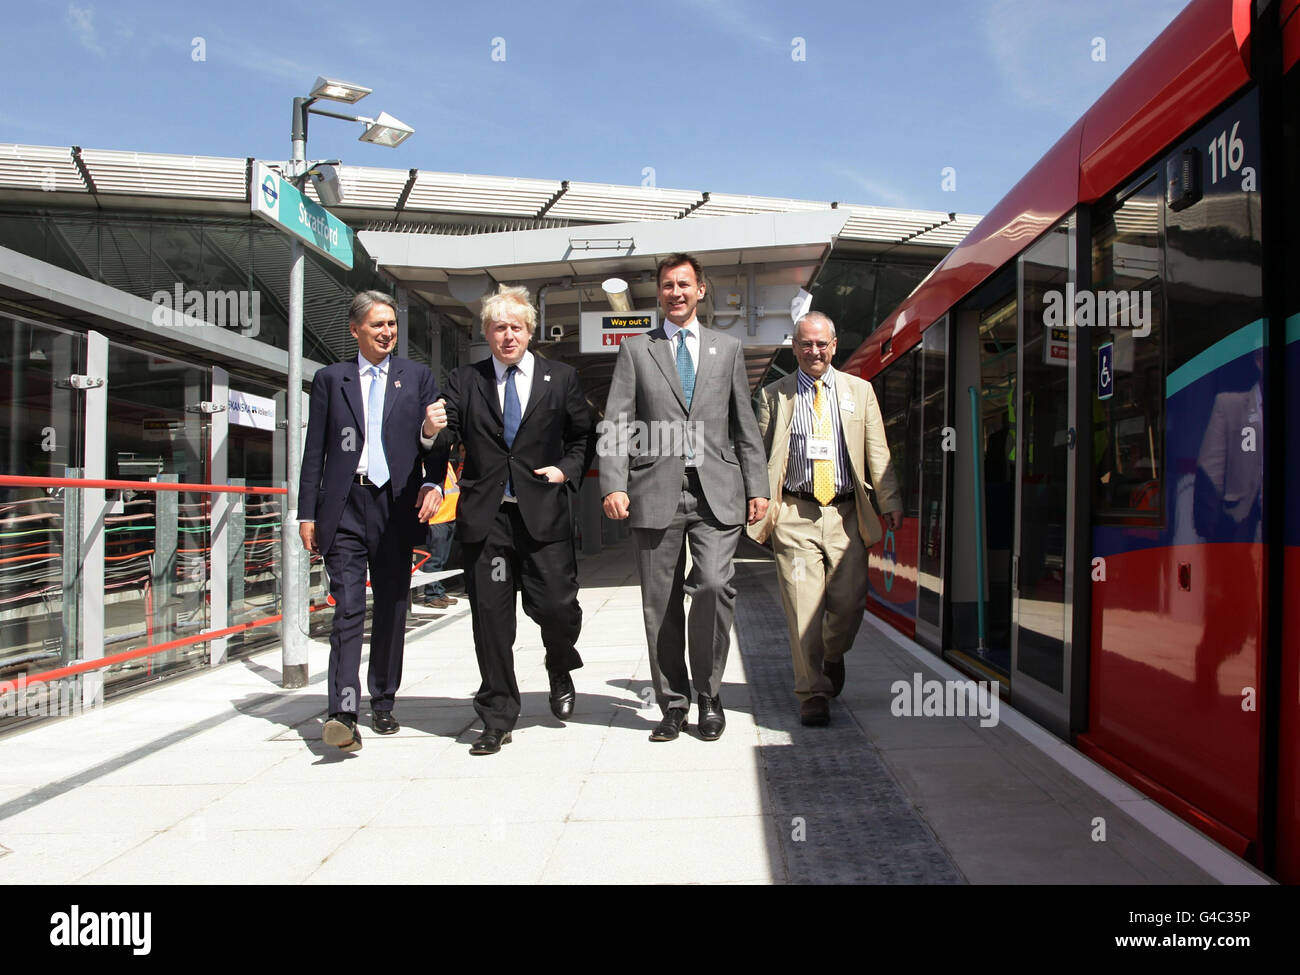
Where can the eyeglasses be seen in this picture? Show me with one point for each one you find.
(819, 346)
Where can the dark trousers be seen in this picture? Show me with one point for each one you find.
(439, 543)
(546, 574)
(366, 536)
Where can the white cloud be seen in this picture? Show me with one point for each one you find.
(1043, 52)
(878, 192)
(733, 17)
(82, 22)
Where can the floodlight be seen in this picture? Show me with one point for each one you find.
(338, 91)
(386, 131)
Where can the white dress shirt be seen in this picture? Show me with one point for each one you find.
(523, 381)
(364, 366)
(523, 387)
(692, 340)
(693, 350)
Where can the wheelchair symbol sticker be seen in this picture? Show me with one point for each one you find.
(1106, 371)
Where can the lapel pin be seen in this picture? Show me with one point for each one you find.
(547, 377)
(712, 351)
(397, 384)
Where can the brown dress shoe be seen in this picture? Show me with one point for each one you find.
(815, 712)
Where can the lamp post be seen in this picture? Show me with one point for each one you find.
(383, 131)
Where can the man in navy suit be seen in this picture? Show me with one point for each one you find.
(529, 439)
(370, 473)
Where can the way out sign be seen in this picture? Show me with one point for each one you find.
(601, 331)
(279, 202)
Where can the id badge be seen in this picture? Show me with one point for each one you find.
(819, 448)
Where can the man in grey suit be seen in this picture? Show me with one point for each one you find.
(682, 460)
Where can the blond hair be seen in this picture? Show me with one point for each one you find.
(506, 300)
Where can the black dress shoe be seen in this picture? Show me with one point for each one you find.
(563, 696)
(671, 726)
(712, 721)
(490, 742)
(341, 730)
(384, 723)
(815, 712)
(835, 671)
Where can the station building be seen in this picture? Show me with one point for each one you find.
(143, 331)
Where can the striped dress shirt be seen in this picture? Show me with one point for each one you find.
(799, 469)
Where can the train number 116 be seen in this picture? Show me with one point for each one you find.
(1227, 152)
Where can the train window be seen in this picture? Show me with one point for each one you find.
(898, 392)
(1125, 310)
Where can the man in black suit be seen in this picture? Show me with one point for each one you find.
(529, 439)
(370, 471)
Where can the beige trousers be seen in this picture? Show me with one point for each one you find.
(822, 566)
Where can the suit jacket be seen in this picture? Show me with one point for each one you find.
(647, 423)
(555, 430)
(864, 437)
(336, 432)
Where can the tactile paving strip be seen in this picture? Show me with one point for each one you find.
(840, 816)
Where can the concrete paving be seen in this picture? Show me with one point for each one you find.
(222, 778)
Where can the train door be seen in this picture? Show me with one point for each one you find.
(1287, 819)
(976, 597)
(1042, 579)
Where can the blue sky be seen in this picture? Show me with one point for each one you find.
(706, 93)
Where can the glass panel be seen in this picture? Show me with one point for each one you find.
(254, 569)
(1128, 428)
(41, 436)
(892, 565)
(997, 331)
(156, 542)
(254, 552)
(1043, 464)
(934, 379)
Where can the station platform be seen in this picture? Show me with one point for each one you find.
(222, 777)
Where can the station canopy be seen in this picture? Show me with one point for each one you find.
(451, 238)
(754, 265)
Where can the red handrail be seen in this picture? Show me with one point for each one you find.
(117, 658)
(14, 480)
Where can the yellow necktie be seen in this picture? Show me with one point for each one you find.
(823, 470)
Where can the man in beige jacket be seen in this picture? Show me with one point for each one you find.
(827, 457)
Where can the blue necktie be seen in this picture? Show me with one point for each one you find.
(685, 368)
(376, 463)
(513, 414)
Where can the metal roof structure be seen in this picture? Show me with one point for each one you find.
(414, 195)
(446, 235)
